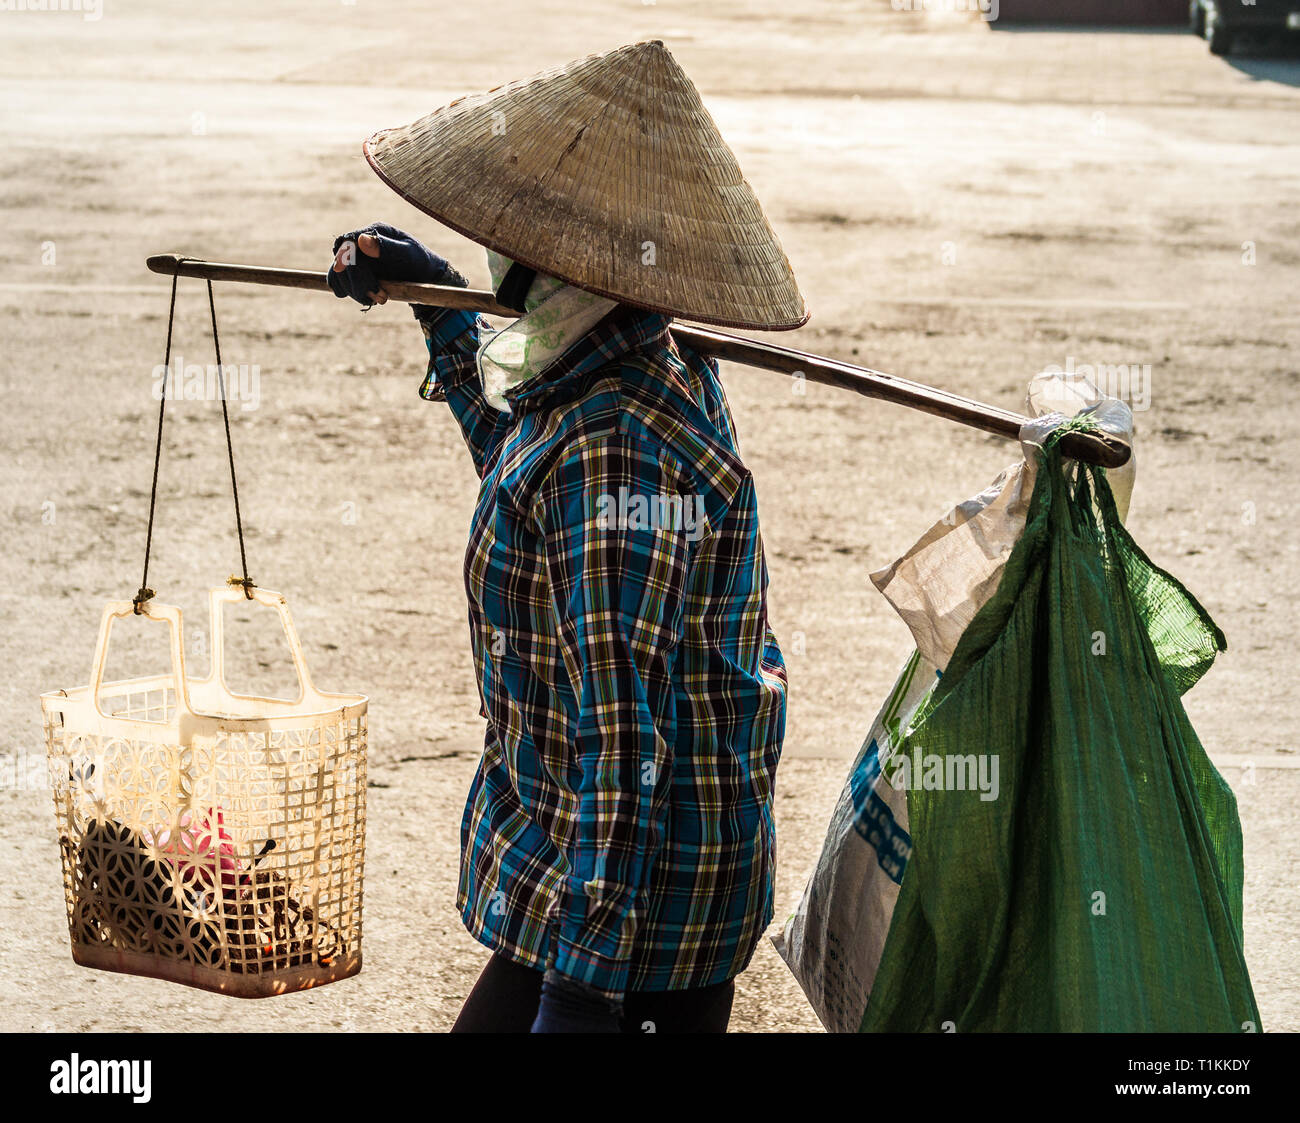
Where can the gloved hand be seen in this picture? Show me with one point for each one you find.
(569, 1007)
(365, 258)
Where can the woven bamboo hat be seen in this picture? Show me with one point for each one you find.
(609, 174)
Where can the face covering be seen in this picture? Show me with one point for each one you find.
(555, 317)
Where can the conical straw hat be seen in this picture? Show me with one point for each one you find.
(609, 174)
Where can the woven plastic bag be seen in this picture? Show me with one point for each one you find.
(210, 838)
(833, 939)
(939, 584)
(1101, 890)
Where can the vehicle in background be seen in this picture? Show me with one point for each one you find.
(1219, 21)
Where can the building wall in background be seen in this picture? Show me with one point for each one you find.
(1093, 11)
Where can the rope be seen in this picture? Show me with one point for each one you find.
(245, 581)
(145, 593)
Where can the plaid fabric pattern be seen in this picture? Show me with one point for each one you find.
(620, 826)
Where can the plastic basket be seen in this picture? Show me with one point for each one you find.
(210, 838)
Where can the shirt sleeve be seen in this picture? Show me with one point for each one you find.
(617, 560)
(452, 337)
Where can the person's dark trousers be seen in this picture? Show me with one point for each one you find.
(505, 998)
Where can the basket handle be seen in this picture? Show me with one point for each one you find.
(269, 598)
(168, 614)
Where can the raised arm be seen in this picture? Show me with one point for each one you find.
(363, 260)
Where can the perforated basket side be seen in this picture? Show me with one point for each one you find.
(216, 851)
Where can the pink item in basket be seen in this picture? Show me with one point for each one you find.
(198, 851)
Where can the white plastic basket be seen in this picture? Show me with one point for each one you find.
(210, 838)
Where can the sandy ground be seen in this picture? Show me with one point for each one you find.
(962, 204)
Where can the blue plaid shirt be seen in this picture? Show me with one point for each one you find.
(619, 828)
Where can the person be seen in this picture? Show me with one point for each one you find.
(618, 843)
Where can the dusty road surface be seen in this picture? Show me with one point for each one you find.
(962, 204)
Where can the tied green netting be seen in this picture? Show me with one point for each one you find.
(1071, 675)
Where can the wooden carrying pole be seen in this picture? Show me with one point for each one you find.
(1091, 447)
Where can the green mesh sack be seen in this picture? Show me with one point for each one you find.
(1100, 888)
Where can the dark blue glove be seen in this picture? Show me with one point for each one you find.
(401, 258)
(569, 1007)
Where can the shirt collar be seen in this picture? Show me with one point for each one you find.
(624, 330)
